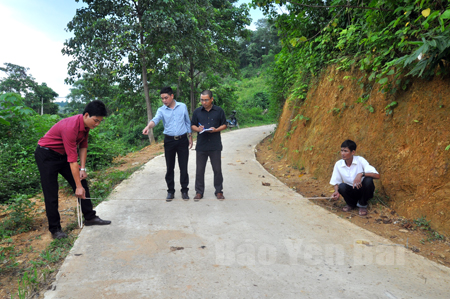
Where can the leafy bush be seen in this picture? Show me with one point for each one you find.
(19, 218)
(19, 170)
(102, 150)
(251, 116)
(254, 99)
(18, 141)
(12, 109)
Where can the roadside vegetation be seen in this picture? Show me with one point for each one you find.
(390, 41)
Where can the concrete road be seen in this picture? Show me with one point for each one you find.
(261, 242)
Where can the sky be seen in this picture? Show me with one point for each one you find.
(32, 34)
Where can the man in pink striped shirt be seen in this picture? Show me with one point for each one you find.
(57, 153)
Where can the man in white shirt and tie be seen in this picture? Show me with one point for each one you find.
(353, 179)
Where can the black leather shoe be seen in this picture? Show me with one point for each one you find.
(96, 221)
(184, 196)
(59, 235)
(169, 196)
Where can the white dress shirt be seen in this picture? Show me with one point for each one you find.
(344, 174)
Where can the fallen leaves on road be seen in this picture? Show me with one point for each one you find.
(363, 242)
(175, 248)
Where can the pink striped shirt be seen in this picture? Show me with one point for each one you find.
(66, 136)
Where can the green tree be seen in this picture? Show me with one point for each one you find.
(165, 42)
(39, 97)
(16, 80)
(78, 97)
(263, 41)
(89, 88)
(207, 47)
(41, 100)
(122, 40)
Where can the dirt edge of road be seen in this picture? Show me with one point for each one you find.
(416, 235)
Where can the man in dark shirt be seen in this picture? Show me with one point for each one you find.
(208, 121)
(57, 153)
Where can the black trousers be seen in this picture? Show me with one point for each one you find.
(50, 164)
(358, 197)
(173, 148)
(216, 163)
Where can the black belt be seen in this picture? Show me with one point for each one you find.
(174, 137)
(49, 149)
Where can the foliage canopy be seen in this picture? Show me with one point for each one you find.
(381, 37)
(39, 97)
(134, 43)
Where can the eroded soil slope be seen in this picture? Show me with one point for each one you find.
(407, 146)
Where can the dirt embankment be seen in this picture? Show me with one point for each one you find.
(408, 146)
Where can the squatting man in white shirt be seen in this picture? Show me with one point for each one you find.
(353, 179)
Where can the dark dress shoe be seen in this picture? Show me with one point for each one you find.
(220, 196)
(170, 196)
(184, 196)
(96, 221)
(198, 196)
(59, 235)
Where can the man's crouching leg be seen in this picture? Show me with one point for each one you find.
(350, 196)
(368, 188)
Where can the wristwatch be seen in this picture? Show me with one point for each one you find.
(83, 169)
(364, 174)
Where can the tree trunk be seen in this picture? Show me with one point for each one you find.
(151, 137)
(179, 83)
(192, 91)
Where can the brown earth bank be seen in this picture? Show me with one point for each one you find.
(408, 146)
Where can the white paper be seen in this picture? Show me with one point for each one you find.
(204, 130)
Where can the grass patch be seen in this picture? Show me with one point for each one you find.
(19, 217)
(102, 183)
(423, 224)
(35, 274)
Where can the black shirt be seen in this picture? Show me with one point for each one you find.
(213, 118)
